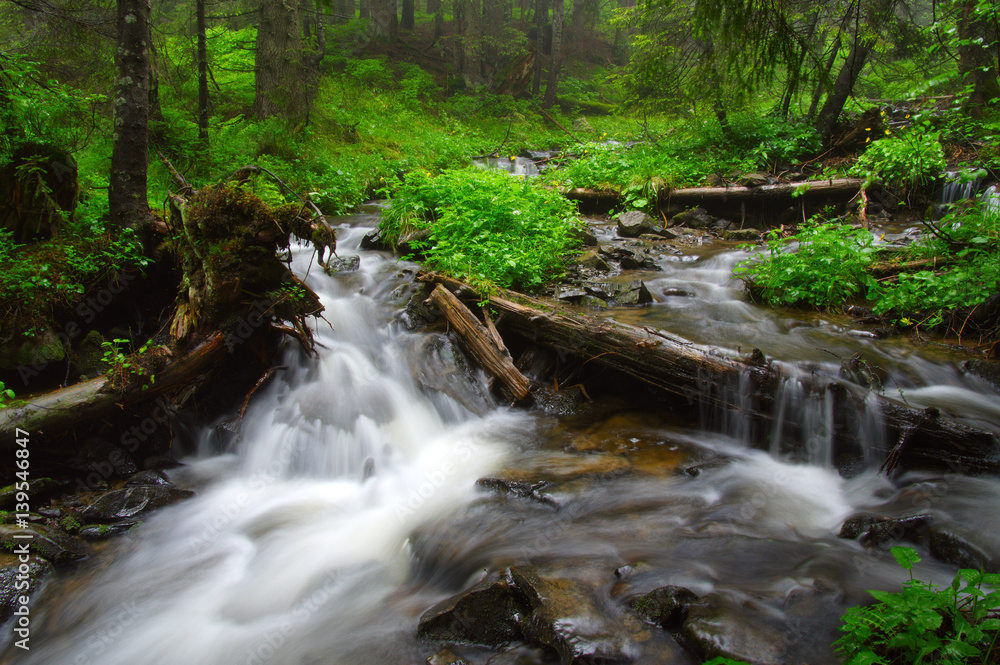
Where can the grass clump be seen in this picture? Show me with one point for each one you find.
(487, 227)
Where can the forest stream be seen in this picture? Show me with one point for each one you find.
(348, 504)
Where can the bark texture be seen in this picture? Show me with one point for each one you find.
(278, 62)
(130, 151)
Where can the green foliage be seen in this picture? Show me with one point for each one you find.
(485, 226)
(905, 162)
(924, 623)
(829, 266)
(371, 73)
(124, 368)
(722, 660)
(6, 395)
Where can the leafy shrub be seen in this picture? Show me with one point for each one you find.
(829, 266)
(909, 160)
(924, 623)
(417, 84)
(370, 72)
(485, 226)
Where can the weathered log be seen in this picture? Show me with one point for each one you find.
(475, 339)
(84, 402)
(704, 376)
(735, 203)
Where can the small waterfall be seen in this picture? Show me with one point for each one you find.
(519, 166)
(959, 186)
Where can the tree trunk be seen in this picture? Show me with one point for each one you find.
(127, 202)
(278, 62)
(433, 6)
(202, 73)
(364, 10)
(976, 63)
(823, 78)
(826, 121)
(471, 41)
(385, 19)
(541, 21)
(408, 21)
(438, 20)
(584, 20)
(556, 61)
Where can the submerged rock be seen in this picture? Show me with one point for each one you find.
(102, 531)
(342, 264)
(487, 614)
(620, 294)
(718, 626)
(872, 531)
(965, 548)
(667, 606)
(567, 616)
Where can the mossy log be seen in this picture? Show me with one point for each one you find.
(697, 377)
(82, 403)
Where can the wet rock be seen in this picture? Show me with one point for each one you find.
(44, 541)
(374, 240)
(567, 616)
(130, 502)
(635, 223)
(624, 572)
(445, 657)
(586, 238)
(103, 460)
(409, 243)
(666, 607)
(638, 262)
(148, 477)
(41, 349)
(990, 371)
(103, 531)
(522, 655)
(561, 467)
(718, 626)
(742, 235)
(593, 302)
(678, 293)
(418, 313)
(342, 264)
(571, 294)
(593, 261)
(872, 531)
(620, 293)
(12, 581)
(487, 614)
(696, 218)
(89, 359)
(519, 488)
(965, 548)
(37, 489)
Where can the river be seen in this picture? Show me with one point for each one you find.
(348, 504)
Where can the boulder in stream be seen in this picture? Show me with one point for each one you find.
(568, 616)
(13, 577)
(341, 264)
(635, 223)
(965, 548)
(745, 631)
(487, 614)
(666, 606)
(46, 542)
(131, 501)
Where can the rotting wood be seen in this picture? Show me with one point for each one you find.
(476, 340)
(703, 376)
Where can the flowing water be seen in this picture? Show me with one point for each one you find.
(349, 504)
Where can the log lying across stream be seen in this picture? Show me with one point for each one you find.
(736, 203)
(693, 376)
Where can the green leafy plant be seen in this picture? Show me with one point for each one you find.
(486, 226)
(123, 367)
(829, 266)
(913, 158)
(6, 395)
(924, 623)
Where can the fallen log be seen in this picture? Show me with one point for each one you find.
(698, 377)
(82, 403)
(736, 203)
(477, 341)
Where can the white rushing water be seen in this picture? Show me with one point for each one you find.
(297, 549)
(296, 540)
